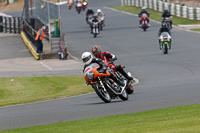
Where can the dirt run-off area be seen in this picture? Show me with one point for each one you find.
(17, 6)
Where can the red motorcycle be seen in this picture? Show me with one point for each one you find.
(129, 88)
(84, 5)
(144, 19)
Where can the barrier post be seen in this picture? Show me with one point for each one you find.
(19, 25)
(10, 25)
(5, 24)
(1, 23)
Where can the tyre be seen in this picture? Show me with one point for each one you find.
(144, 29)
(124, 96)
(165, 51)
(101, 93)
(101, 27)
(95, 35)
(130, 89)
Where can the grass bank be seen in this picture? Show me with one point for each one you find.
(195, 29)
(185, 119)
(155, 15)
(31, 89)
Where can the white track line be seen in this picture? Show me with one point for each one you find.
(48, 67)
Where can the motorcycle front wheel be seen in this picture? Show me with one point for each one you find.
(165, 49)
(102, 93)
(124, 96)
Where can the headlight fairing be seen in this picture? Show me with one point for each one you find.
(90, 75)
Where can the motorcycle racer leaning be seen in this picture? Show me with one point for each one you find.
(107, 56)
(144, 11)
(87, 59)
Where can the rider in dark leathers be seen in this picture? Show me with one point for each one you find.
(94, 20)
(144, 11)
(164, 29)
(166, 14)
(89, 11)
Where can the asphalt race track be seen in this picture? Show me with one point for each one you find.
(165, 80)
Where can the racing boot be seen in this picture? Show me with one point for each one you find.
(125, 74)
(117, 80)
(120, 83)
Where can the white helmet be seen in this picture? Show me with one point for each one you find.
(87, 58)
(143, 8)
(98, 10)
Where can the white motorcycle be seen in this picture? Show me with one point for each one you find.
(95, 29)
(165, 42)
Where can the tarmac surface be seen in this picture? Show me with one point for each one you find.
(17, 61)
(165, 80)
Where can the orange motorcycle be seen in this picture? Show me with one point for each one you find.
(104, 86)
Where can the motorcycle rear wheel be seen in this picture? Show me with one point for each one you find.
(101, 93)
(130, 89)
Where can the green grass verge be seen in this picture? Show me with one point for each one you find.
(155, 15)
(31, 89)
(198, 29)
(185, 119)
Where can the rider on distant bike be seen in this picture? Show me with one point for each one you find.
(101, 14)
(94, 20)
(164, 29)
(167, 14)
(87, 59)
(89, 11)
(144, 11)
(107, 56)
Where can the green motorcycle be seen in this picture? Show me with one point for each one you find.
(165, 42)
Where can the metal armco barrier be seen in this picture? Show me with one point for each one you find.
(10, 24)
(192, 13)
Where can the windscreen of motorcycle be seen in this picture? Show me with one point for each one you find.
(79, 5)
(165, 34)
(89, 68)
